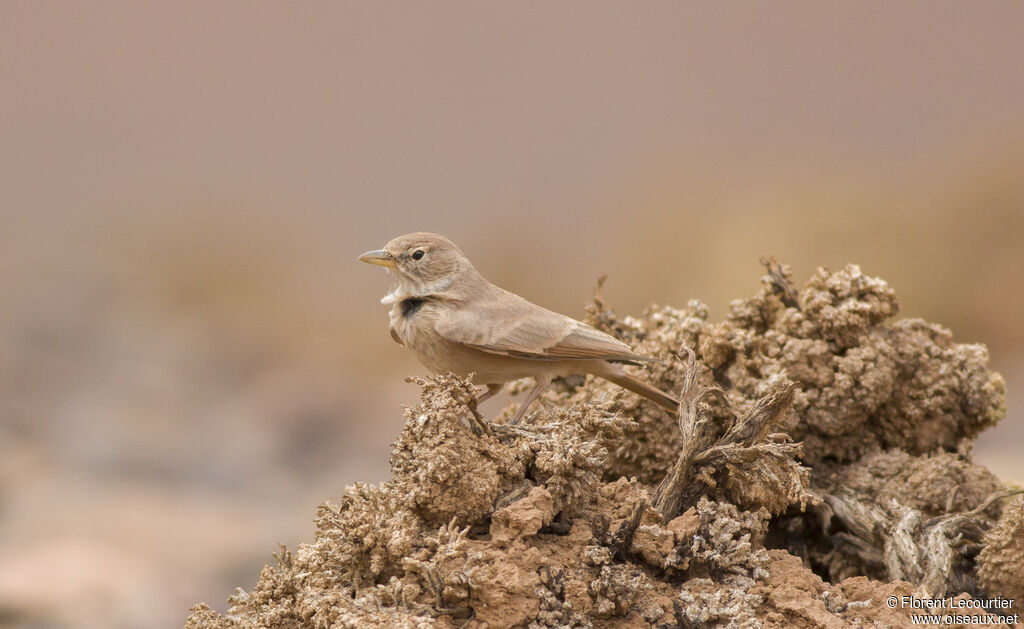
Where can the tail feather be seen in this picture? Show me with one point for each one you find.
(643, 389)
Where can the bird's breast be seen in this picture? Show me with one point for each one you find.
(412, 322)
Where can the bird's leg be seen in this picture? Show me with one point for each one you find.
(542, 383)
(492, 390)
(479, 425)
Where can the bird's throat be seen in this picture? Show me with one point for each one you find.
(403, 292)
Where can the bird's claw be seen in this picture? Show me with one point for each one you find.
(477, 423)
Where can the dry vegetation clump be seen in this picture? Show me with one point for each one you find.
(1001, 559)
(820, 463)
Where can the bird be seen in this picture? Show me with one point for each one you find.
(456, 321)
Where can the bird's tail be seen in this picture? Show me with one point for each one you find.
(643, 389)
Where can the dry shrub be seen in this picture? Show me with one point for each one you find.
(820, 461)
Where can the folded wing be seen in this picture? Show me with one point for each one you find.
(512, 326)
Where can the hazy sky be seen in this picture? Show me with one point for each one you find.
(477, 115)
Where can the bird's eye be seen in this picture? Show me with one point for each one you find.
(416, 255)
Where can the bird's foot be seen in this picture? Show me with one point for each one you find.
(477, 423)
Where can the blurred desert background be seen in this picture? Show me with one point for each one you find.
(191, 359)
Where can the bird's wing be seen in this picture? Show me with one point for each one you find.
(512, 326)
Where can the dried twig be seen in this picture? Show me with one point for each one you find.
(897, 538)
(779, 278)
(741, 445)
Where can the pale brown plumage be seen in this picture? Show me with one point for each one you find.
(456, 321)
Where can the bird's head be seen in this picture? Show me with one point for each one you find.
(423, 263)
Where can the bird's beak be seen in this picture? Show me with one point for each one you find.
(378, 257)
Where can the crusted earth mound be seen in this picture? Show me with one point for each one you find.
(819, 465)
